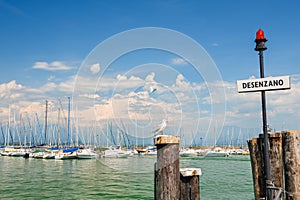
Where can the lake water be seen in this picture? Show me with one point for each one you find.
(128, 178)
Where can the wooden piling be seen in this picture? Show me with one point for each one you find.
(257, 163)
(276, 165)
(255, 149)
(167, 173)
(189, 184)
(291, 160)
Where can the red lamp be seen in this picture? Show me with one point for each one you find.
(260, 34)
(260, 40)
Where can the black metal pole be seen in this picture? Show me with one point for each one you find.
(260, 47)
(265, 127)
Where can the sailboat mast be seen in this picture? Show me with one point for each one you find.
(20, 131)
(8, 127)
(46, 121)
(77, 128)
(136, 130)
(58, 128)
(69, 120)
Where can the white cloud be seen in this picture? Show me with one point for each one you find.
(183, 102)
(180, 82)
(150, 77)
(95, 68)
(121, 77)
(134, 78)
(49, 87)
(122, 83)
(9, 90)
(15, 96)
(12, 85)
(54, 66)
(30, 107)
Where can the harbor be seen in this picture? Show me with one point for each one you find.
(149, 100)
(274, 156)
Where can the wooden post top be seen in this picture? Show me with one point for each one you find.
(279, 134)
(190, 172)
(271, 135)
(292, 131)
(166, 139)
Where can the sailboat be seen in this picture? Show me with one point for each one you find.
(50, 153)
(116, 152)
(66, 154)
(187, 151)
(217, 152)
(86, 154)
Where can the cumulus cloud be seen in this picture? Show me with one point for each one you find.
(150, 77)
(180, 82)
(53, 66)
(134, 78)
(29, 107)
(12, 85)
(122, 83)
(9, 90)
(95, 68)
(121, 77)
(127, 97)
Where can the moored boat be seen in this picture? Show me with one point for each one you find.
(113, 152)
(217, 152)
(86, 154)
(67, 154)
(150, 150)
(187, 152)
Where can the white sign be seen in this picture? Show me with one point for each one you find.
(261, 84)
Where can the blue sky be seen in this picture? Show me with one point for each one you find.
(44, 45)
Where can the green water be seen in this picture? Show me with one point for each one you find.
(129, 178)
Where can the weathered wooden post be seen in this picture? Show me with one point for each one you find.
(167, 175)
(276, 167)
(189, 184)
(255, 149)
(291, 159)
(257, 163)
